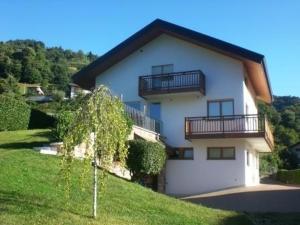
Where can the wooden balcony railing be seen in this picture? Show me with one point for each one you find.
(188, 81)
(228, 126)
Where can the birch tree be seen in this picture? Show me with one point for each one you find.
(101, 124)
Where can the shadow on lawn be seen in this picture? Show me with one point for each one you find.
(239, 219)
(30, 141)
(21, 145)
(16, 204)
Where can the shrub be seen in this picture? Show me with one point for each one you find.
(289, 176)
(145, 158)
(40, 120)
(64, 119)
(289, 159)
(269, 163)
(58, 95)
(14, 113)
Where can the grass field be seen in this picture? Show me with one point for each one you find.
(32, 192)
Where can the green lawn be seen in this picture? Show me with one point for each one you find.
(32, 192)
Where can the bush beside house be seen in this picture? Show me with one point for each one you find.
(145, 158)
(289, 176)
(14, 113)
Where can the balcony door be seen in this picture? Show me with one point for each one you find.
(161, 82)
(220, 116)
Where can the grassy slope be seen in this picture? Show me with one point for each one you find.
(31, 192)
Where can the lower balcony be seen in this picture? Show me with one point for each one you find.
(255, 127)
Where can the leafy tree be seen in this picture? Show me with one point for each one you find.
(270, 112)
(285, 136)
(288, 118)
(102, 118)
(61, 77)
(9, 86)
(289, 159)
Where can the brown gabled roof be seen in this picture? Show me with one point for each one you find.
(253, 62)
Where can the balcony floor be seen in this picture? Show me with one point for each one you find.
(172, 95)
(255, 139)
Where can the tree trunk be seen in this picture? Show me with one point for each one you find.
(95, 187)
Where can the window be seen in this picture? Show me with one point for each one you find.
(162, 69)
(220, 108)
(248, 158)
(221, 153)
(181, 153)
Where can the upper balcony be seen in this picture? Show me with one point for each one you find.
(255, 127)
(170, 83)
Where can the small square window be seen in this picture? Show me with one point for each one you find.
(221, 153)
(181, 153)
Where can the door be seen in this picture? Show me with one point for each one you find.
(154, 113)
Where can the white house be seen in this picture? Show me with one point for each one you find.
(203, 92)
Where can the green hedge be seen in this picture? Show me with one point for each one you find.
(14, 114)
(40, 120)
(64, 120)
(289, 176)
(145, 158)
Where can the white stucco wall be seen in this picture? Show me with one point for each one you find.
(251, 170)
(187, 177)
(249, 99)
(224, 80)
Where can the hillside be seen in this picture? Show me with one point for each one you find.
(31, 192)
(30, 61)
(285, 117)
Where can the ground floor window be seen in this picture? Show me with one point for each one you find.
(215, 153)
(248, 158)
(181, 153)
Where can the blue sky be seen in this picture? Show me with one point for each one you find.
(270, 27)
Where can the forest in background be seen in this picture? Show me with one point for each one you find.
(30, 61)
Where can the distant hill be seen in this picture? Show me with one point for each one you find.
(30, 61)
(282, 102)
(284, 113)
